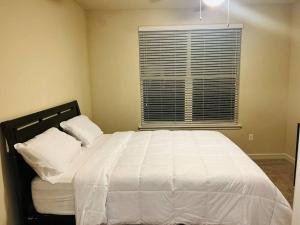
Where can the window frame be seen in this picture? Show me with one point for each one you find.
(192, 125)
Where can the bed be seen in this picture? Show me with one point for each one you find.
(151, 177)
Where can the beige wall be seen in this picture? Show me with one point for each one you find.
(113, 44)
(294, 83)
(43, 62)
(43, 59)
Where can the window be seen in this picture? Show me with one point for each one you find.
(189, 76)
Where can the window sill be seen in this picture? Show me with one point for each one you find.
(191, 127)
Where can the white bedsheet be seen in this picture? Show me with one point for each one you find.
(50, 198)
(169, 177)
(58, 198)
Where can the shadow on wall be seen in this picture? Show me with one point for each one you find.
(9, 196)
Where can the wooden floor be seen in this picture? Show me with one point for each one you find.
(281, 172)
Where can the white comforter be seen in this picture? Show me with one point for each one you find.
(170, 177)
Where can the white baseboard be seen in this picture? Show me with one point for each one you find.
(273, 156)
(289, 158)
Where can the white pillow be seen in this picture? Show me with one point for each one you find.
(83, 129)
(49, 153)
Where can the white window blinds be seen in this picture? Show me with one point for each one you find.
(189, 76)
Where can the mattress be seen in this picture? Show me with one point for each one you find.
(52, 198)
(58, 198)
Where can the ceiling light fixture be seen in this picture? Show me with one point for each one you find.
(213, 3)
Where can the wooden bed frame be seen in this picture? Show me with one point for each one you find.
(21, 130)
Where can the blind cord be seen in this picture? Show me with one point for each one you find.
(200, 10)
(228, 13)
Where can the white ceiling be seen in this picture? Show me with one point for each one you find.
(158, 4)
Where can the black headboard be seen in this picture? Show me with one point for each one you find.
(21, 130)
